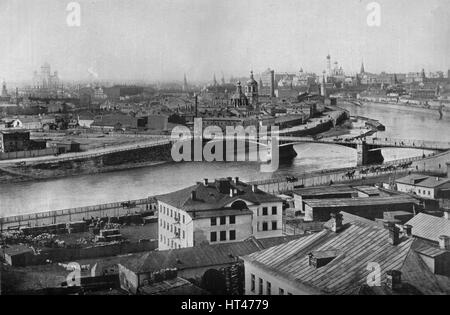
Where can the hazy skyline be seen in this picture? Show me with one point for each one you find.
(163, 39)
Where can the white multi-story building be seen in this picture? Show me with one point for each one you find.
(223, 211)
(424, 186)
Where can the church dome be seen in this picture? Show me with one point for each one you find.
(252, 80)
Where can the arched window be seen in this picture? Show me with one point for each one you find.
(239, 205)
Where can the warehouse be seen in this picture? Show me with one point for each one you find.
(369, 208)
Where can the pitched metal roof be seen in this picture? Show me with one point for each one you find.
(429, 227)
(423, 181)
(359, 244)
(200, 256)
(215, 196)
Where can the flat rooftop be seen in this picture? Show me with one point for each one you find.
(364, 201)
(324, 190)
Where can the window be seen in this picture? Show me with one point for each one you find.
(223, 220)
(184, 235)
(232, 219)
(429, 193)
(183, 218)
(268, 288)
(213, 237)
(280, 291)
(223, 235)
(264, 212)
(232, 235)
(274, 210)
(171, 213)
(252, 288)
(265, 226)
(274, 225)
(213, 221)
(260, 286)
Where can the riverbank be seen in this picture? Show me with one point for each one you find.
(118, 161)
(10, 176)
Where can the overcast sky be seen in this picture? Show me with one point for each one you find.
(163, 39)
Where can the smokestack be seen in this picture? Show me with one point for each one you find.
(394, 279)
(444, 242)
(394, 232)
(196, 104)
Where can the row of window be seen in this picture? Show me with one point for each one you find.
(169, 242)
(265, 211)
(424, 192)
(172, 213)
(223, 220)
(172, 228)
(261, 287)
(265, 226)
(223, 236)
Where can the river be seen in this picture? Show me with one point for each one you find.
(26, 197)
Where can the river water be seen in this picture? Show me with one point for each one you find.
(139, 183)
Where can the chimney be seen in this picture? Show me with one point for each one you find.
(193, 195)
(394, 279)
(394, 232)
(447, 214)
(444, 242)
(236, 180)
(254, 188)
(336, 223)
(407, 229)
(205, 182)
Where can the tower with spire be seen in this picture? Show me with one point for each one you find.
(362, 68)
(214, 80)
(251, 91)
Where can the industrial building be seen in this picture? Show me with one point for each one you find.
(370, 208)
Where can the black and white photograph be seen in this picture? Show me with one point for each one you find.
(224, 152)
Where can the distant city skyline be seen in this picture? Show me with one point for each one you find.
(161, 40)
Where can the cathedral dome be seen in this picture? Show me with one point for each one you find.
(252, 80)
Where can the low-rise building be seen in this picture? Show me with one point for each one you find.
(12, 141)
(226, 210)
(353, 258)
(324, 192)
(194, 262)
(424, 186)
(370, 208)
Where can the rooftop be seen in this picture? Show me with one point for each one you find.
(423, 181)
(429, 227)
(324, 190)
(362, 201)
(200, 256)
(216, 196)
(357, 245)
